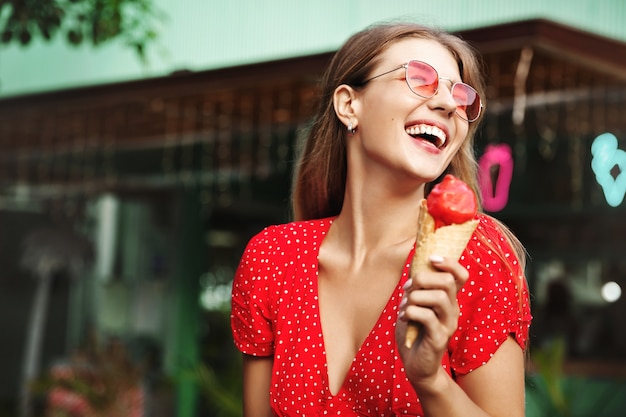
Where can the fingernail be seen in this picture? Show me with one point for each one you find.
(436, 259)
(402, 302)
(407, 284)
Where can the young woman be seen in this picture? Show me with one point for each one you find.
(320, 305)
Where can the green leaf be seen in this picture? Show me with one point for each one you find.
(133, 22)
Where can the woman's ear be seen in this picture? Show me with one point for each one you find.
(345, 103)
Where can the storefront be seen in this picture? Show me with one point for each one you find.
(186, 168)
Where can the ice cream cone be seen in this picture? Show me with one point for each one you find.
(449, 241)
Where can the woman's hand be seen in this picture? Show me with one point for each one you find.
(430, 300)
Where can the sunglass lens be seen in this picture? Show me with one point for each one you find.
(468, 101)
(422, 78)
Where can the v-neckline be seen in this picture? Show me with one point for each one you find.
(383, 313)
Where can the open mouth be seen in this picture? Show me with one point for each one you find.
(429, 133)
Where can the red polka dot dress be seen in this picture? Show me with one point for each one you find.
(275, 311)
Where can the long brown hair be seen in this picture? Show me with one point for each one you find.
(320, 177)
(320, 180)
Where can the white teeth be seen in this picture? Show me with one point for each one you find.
(428, 130)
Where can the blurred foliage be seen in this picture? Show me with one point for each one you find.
(549, 362)
(223, 399)
(134, 22)
(554, 393)
(95, 381)
(219, 373)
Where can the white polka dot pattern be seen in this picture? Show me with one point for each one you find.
(275, 312)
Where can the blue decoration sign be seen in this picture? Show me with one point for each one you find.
(607, 159)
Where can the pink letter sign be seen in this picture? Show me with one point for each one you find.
(495, 198)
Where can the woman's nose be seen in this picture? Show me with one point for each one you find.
(443, 98)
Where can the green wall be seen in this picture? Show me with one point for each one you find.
(205, 34)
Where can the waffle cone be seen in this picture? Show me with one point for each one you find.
(449, 241)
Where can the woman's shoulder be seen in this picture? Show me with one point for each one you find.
(296, 228)
(489, 223)
(302, 232)
(280, 246)
(494, 243)
(493, 231)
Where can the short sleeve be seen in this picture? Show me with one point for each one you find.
(251, 318)
(494, 302)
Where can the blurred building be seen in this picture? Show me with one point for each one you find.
(170, 176)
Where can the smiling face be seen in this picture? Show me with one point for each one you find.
(412, 135)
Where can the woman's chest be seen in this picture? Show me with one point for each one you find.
(301, 373)
(301, 367)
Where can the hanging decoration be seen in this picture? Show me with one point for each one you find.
(548, 143)
(547, 115)
(497, 160)
(518, 113)
(606, 158)
(521, 76)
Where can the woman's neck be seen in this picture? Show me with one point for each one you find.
(372, 220)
